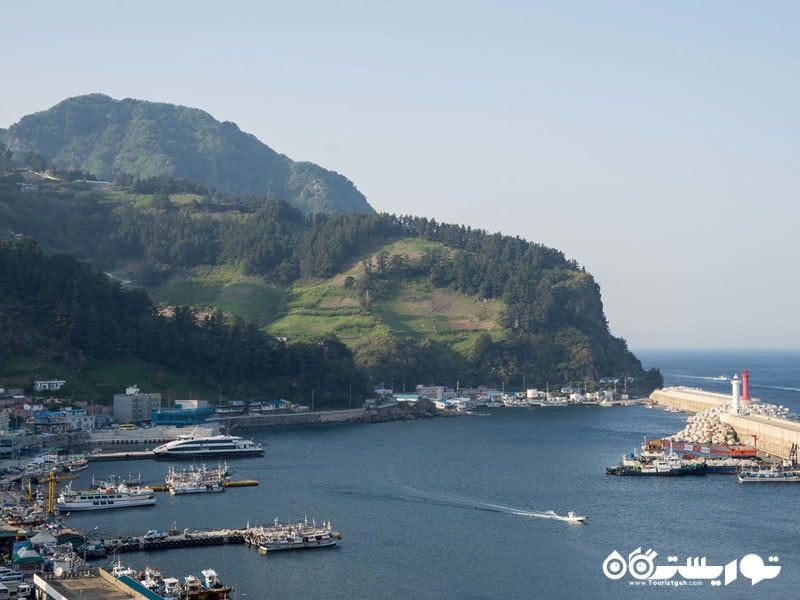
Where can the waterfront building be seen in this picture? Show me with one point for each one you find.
(185, 412)
(410, 398)
(277, 406)
(432, 392)
(135, 407)
(68, 419)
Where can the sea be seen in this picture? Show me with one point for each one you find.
(456, 508)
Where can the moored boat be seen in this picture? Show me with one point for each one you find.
(198, 480)
(730, 466)
(121, 496)
(716, 465)
(774, 475)
(787, 472)
(292, 536)
(191, 446)
(210, 588)
(667, 466)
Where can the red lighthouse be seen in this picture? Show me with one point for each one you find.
(745, 386)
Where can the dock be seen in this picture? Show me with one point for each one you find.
(235, 483)
(186, 539)
(129, 455)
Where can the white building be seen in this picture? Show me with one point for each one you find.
(48, 386)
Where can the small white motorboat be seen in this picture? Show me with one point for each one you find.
(573, 517)
(570, 517)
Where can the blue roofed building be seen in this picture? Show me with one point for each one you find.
(185, 412)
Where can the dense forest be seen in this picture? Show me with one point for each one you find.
(553, 326)
(55, 305)
(112, 138)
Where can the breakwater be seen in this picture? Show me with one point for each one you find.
(689, 399)
(772, 435)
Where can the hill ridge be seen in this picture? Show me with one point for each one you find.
(98, 134)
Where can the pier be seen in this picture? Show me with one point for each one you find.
(228, 484)
(186, 539)
(774, 435)
(129, 455)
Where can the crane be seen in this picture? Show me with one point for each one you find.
(52, 480)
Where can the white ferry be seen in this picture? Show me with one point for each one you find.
(121, 496)
(223, 446)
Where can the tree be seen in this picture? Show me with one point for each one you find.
(35, 162)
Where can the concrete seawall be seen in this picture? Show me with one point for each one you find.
(774, 435)
(688, 399)
(303, 418)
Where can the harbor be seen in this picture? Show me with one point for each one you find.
(410, 480)
(773, 431)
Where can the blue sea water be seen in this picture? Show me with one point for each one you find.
(447, 508)
(774, 374)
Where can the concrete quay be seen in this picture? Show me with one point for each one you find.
(182, 540)
(773, 436)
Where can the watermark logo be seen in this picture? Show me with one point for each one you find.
(641, 567)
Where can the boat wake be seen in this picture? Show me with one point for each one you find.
(783, 388)
(452, 500)
(701, 377)
(722, 378)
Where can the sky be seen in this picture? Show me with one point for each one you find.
(655, 143)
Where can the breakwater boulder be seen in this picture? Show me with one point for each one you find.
(706, 428)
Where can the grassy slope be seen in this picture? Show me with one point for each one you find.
(411, 307)
(224, 288)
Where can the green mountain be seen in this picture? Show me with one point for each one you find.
(111, 138)
(414, 300)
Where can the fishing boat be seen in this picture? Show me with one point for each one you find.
(786, 472)
(191, 446)
(119, 570)
(771, 475)
(665, 466)
(554, 403)
(76, 463)
(209, 588)
(292, 536)
(120, 496)
(113, 481)
(715, 465)
(196, 480)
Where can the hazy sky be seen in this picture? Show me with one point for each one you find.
(656, 143)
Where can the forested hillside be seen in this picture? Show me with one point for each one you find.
(497, 309)
(57, 308)
(110, 138)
